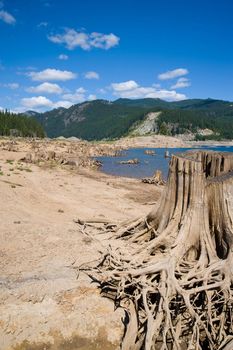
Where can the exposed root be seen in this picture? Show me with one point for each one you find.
(173, 272)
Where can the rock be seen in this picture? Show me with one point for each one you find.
(130, 161)
(150, 152)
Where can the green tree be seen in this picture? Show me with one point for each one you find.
(163, 130)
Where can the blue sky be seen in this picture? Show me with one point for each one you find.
(57, 53)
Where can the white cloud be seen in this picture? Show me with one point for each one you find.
(46, 87)
(52, 74)
(92, 75)
(171, 74)
(125, 86)
(77, 97)
(130, 89)
(92, 97)
(36, 102)
(7, 17)
(103, 41)
(181, 83)
(63, 57)
(72, 39)
(12, 86)
(41, 103)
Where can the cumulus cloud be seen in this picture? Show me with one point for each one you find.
(36, 102)
(92, 75)
(41, 103)
(131, 89)
(72, 39)
(125, 86)
(77, 97)
(181, 83)
(51, 74)
(7, 17)
(171, 74)
(63, 57)
(46, 87)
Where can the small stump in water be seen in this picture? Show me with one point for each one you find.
(150, 152)
(156, 179)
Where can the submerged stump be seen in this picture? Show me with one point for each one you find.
(174, 273)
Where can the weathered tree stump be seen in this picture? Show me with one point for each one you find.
(156, 179)
(174, 273)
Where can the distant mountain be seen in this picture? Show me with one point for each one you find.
(143, 102)
(91, 120)
(184, 104)
(101, 119)
(205, 104)
(31, 113)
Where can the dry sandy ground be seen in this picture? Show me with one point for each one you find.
(43, 305)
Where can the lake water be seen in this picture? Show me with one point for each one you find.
(148, 163)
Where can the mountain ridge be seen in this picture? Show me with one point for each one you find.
(103, 119)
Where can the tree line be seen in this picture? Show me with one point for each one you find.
(12, 124)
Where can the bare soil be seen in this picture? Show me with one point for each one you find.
(44, 304)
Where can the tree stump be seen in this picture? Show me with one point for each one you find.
(174, 273)
(156, 179)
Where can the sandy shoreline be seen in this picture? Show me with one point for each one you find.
(160, 141)
(43, 305)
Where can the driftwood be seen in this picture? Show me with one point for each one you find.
(173, 272)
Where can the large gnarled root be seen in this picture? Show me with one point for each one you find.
(174, 273)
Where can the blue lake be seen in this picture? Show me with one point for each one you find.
(148, 163)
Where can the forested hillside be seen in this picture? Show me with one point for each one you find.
(101, 119)
(181, 121)
(94, 120)
(19, 125)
